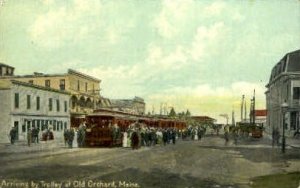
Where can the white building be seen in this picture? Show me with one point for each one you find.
(24, 106)
(284, 87)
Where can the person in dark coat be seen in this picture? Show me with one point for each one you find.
(173, 136)
(70, 135)
(165, 137)
(66, 136)
(35, 135)
(29, 137)
(134, 140)
(13, 135)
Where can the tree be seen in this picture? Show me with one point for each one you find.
(172, 113)
(188, 113)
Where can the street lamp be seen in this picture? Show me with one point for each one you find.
(284, 107)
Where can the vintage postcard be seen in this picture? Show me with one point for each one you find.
(149, 94)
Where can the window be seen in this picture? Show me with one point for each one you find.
(37, 103)
(38, 124)
(296, 93)
(57, 105)
(58, 125)
(16, 125)
(293, 120)
(66, 106)
(30, 81)
(65, 125)
(62, 84)
(16, 100)
(43, 125)
(54, 125)
(33, 123)
(86, 87)
(28, 125)
(28, 102)
(47, 83)
(50, 104)
(23, 128)
(78, 85)
(0, 71)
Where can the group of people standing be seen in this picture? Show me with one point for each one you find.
(32, 135)
(71, 133)
(139, 135)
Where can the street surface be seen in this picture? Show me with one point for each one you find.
(205, 163)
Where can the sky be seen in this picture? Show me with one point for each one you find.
(196, 55)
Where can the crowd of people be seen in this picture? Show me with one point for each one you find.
(140, 135)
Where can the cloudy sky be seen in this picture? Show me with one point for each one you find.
(197, 55)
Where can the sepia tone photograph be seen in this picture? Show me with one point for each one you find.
(149, 94)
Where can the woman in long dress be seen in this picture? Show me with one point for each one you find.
(124, 143)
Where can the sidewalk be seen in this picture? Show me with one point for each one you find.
(291, 142)
(53, 146)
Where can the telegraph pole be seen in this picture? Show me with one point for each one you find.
(242, 107)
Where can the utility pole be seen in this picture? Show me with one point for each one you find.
(242, 107)
(245, 111)
(252, 109)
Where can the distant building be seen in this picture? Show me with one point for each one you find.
(204, 119)
(133, 106)
(25, 106)
(6, 70)
(261, 117)
(284, 86)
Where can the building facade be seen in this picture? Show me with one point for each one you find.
(284, 87)
(136, 105)
(6, 70)
(24, 106)
(84, 90)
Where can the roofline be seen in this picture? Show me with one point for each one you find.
(71, 71)
(39, 87)
(38, 76)
(7, 65)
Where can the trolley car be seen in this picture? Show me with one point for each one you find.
(105, 129)
(102, 131)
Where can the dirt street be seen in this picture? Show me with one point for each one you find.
(205, 163)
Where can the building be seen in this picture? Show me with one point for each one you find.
(284, 87)
(133, 106)
(24, 106)
(84, 90)
(6, 70)
(261, 116)
(204, 119)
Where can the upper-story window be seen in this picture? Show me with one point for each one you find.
(296, 93)
(66, 106)
(86, 86)
(78, 85)
(30, 81)
(37, 103)
(0, 71)
(16, 100)
(50, 104)
(57, 105)
(28, 102)
(47, 83)
(62, 84)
